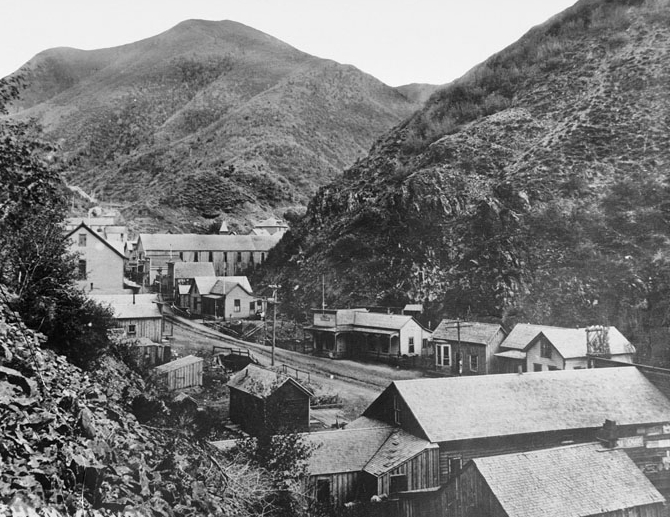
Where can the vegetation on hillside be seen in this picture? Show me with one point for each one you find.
(533, 189)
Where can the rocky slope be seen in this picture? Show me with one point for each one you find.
(208, 118)
(534, 188)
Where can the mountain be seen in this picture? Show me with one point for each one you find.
(534, 188)
(205, 119)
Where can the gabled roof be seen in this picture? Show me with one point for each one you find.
(144, 305)
(261, 382)
(379, 320)
(215, 284)
(470, 331)
(571, 343)
(375, 450)
(193, 269)
(197, 242)
(461, 408)
(522, 334)
(97, 236)
(568, 481)
(179, 363)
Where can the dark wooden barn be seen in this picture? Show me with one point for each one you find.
(263, 401)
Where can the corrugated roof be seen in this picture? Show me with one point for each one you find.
(144, 305)
(261, 382)
(197, 242)
(522, 334)
(179, 363)
(568, 481)
(471, 331)
(193, 269)
(460, 408)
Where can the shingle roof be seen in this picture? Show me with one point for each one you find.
(197, 242)
(571, 343)
(261, 382)
(179, 363)
(568, 481)
(460, 408)
(399, 447)
(471, 331)
(144, 305)
(193, 269)
(522, 334)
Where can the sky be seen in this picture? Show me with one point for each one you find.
(397, 41)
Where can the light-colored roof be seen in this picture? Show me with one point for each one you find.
(215, 284)
(380, 320)
(144, 305)
(413, 307)
(197, 242)
(116, 229)
(272, 222)
(91, 221)
(110, 245)
(179, 363)
(571, 343)
(522, 334)
(571, 481)
(193, 269)
(470, 331)
(184, 288)
(260, 231)
(261, 382)
(461, 408)
(512, 354)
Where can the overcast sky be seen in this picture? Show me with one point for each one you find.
(397, 41)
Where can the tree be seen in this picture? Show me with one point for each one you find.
(34, 259)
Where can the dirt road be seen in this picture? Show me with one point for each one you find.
(357, 384)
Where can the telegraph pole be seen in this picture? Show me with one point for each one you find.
(274, 288)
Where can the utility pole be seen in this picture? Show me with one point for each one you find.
(274, 288)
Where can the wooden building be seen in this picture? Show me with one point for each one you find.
(585, 480)
(541, 348)
(139, 315)
(182, 373)
(225, 297)
(263, 401)
(177, 282)
(478, 416)
(467, 347)
(357, 333)
(230, 254)
(100, 263)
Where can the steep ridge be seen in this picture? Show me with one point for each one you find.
(215, 108)
(534, 188)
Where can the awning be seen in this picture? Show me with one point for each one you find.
(512, 354)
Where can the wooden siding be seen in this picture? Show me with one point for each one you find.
(184, 377)
(151, 328)
(247, 411)
(288, 409)
(422, 471)
(225, 262)
(344, 487)
(430, 504)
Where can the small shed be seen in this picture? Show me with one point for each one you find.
(182, 373)
(574, 481)
(264, 401)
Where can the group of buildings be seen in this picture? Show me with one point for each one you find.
(580, 442)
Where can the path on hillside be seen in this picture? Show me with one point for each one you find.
(358, 384)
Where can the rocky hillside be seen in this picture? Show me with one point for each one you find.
(534, 188)
(208, 118)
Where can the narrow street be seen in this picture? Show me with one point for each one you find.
(356, 383)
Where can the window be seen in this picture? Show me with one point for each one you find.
(181, 255)
(195, 257)
(225, 256)
(132, 329)
(545, 349)
(474, 362)
(323, 490)
(398, 483)
(443, 355)
(455, 466)
(81, 273)
(237, 306)
(82, 240)
(411, 345)
(211, 256)
(396, 410)
(252, 307)
(239, 256)
(262, 257)
(537, 367)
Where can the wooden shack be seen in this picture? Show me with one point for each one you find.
(574, 481)
(182, 373)
(265, 401)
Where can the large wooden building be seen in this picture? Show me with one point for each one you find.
(230, 254)
(264, 401)
(356, 333)
(586, 480)
(139, 315)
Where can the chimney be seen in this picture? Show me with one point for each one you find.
(608, 434)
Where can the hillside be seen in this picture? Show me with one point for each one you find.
(534, 188)
(206, 119)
